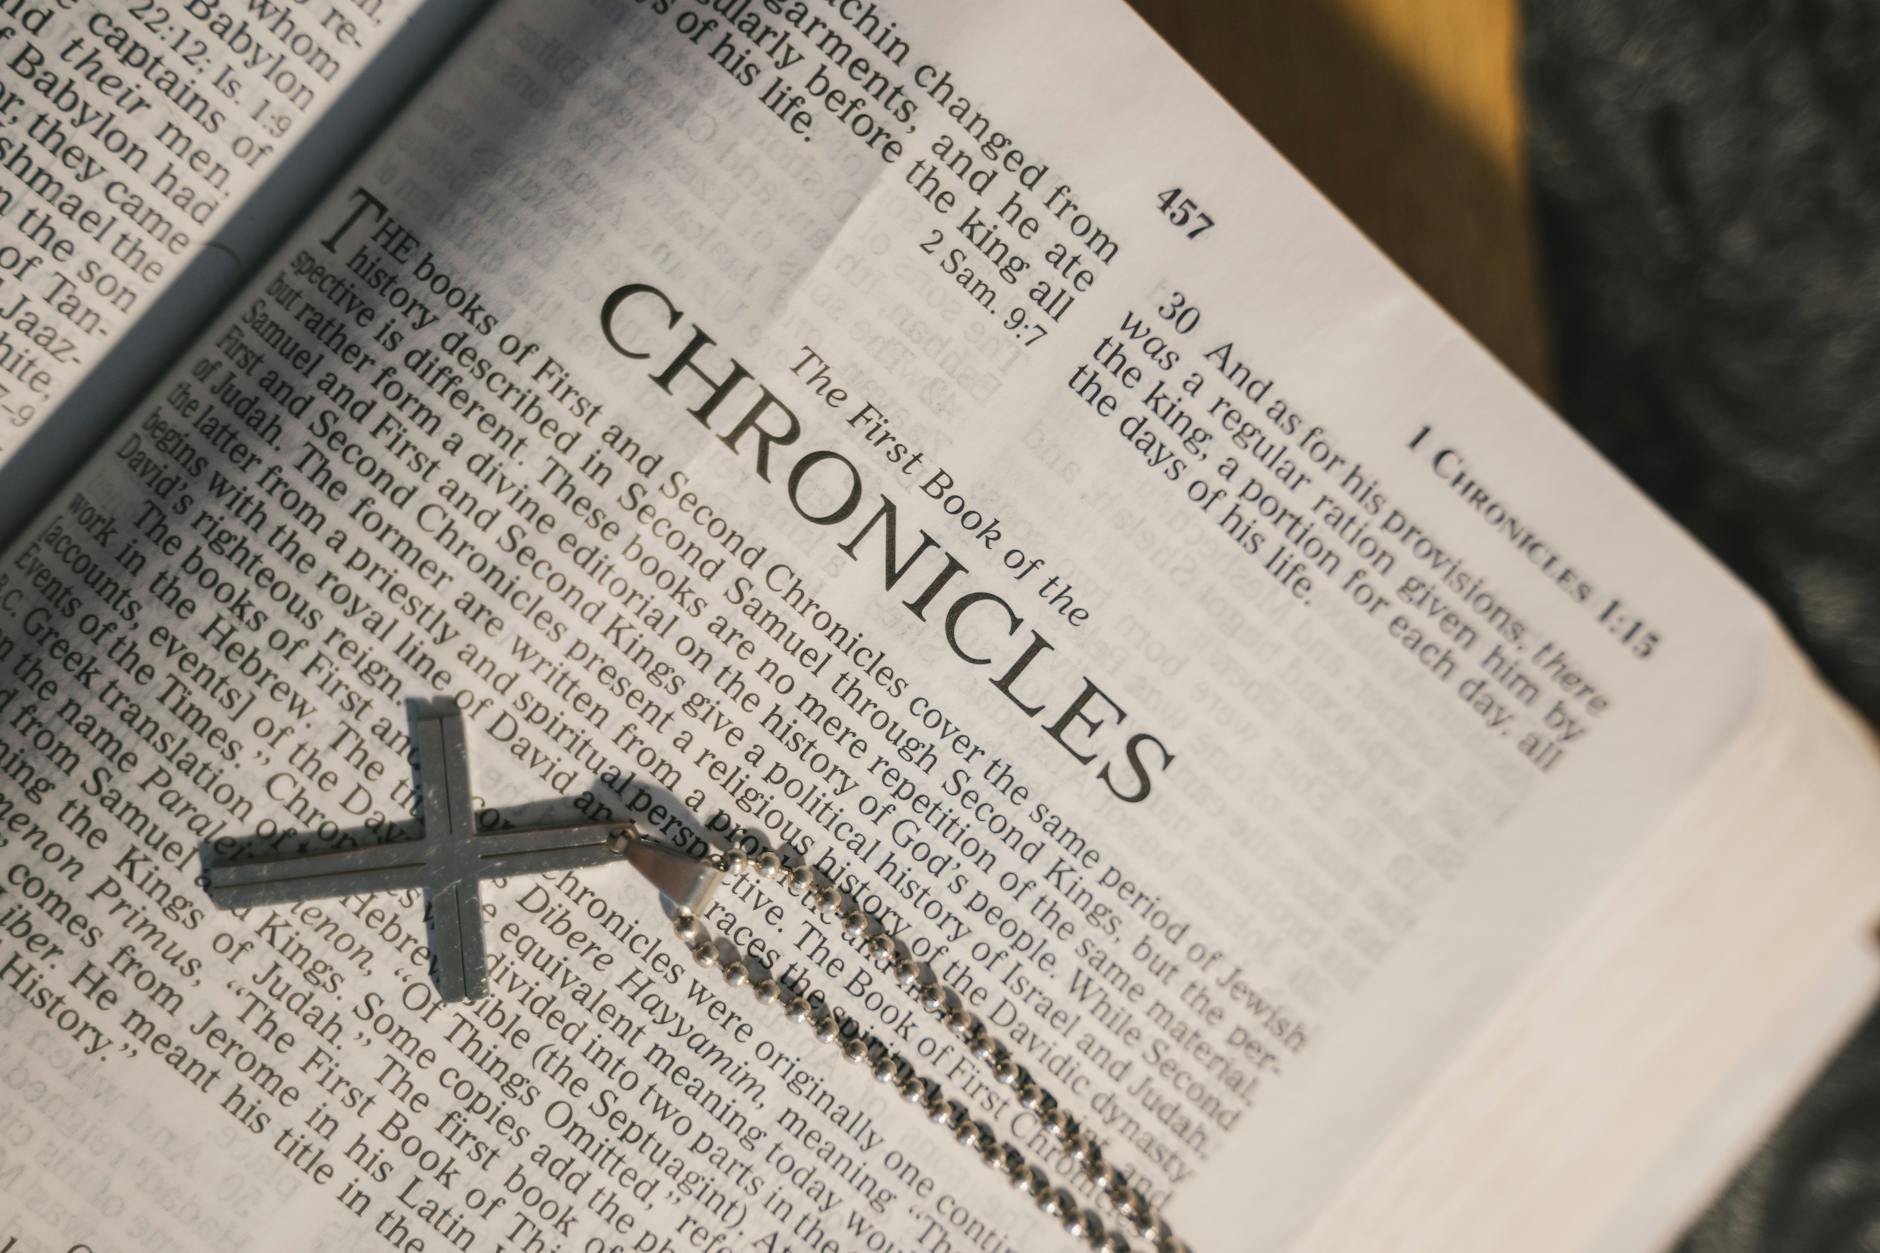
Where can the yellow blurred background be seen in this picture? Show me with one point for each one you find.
(1407, 115)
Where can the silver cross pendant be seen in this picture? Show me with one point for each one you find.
(451, 860)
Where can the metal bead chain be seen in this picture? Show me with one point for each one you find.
(1137, 1212)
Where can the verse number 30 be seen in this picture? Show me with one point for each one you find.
(1181, 210)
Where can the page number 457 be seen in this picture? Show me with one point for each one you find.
(1183, 211)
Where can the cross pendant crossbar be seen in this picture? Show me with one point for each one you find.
(451, 860)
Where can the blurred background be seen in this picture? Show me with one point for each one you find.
(1664, 216)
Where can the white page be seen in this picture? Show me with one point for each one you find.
(132, 132)
(1332, 820)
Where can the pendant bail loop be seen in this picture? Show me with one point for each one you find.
(687, 881)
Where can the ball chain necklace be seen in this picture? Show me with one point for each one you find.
(451, 859)
(1138, 1214)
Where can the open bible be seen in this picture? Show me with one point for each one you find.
(941, 445)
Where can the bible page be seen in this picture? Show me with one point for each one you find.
(128, 134)
(943, 445)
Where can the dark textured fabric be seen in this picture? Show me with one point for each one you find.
(1708, 180)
